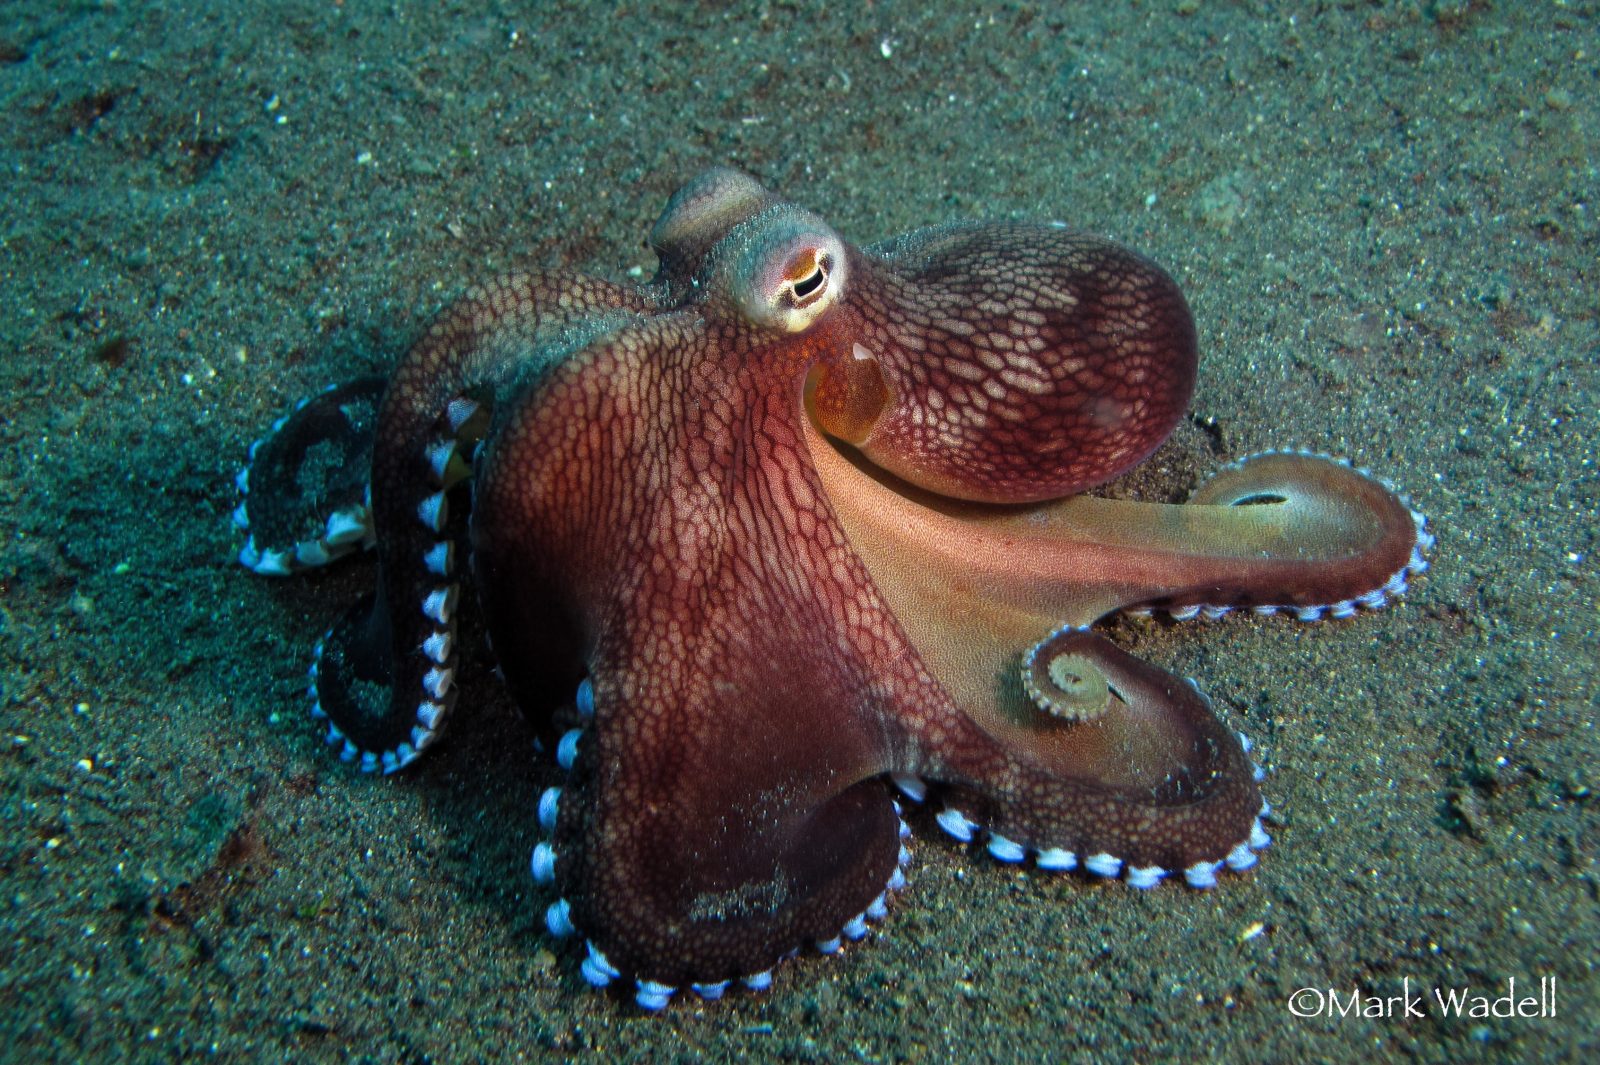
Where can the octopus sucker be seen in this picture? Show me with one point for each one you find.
(792, 527)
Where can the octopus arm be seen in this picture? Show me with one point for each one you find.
(694, 845)
(724, 807)
(1052, 737)
(384, 675)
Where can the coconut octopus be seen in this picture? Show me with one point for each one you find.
(790, 525)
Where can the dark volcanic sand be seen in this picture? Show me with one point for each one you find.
(1383, 215)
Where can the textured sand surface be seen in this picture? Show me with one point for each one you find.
(1383, 215)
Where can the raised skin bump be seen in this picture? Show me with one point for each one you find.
(697, 217)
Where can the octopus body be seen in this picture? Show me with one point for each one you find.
(793, 524)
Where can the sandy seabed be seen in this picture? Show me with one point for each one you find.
(1383, 215)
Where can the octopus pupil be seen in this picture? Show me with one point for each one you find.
(807, 285)
(1259, 499)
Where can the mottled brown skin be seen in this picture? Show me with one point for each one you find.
(1025, 362)
(797, 509)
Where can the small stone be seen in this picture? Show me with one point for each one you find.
(1469, 810)
(1220, 202)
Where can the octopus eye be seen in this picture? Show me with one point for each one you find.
(788, 270)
